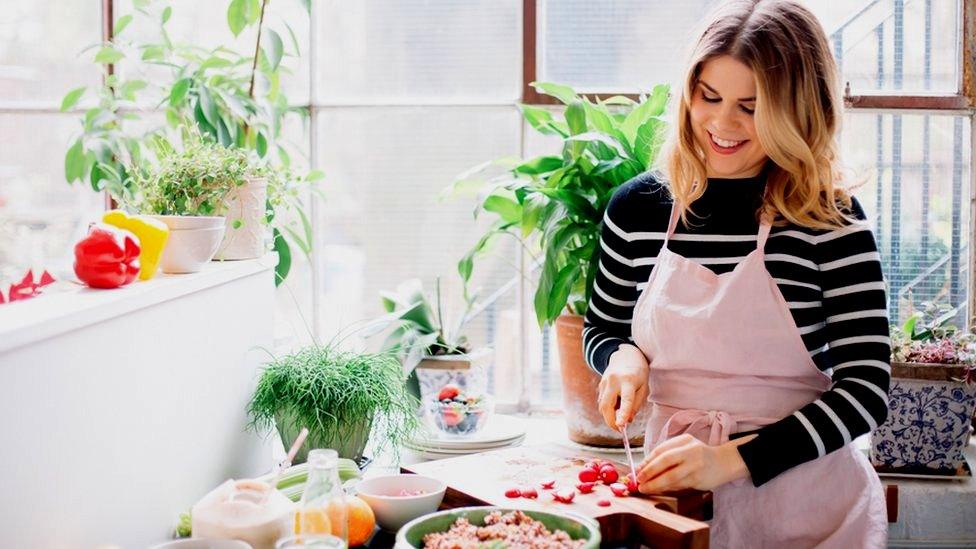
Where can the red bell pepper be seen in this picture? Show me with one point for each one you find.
(107, 257)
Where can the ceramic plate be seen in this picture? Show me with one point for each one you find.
(462, 451)
(499, 431)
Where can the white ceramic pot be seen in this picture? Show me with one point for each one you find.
(245, 207)
(192, 243)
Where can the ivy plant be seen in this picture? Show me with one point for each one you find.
(554, 204)
(234, 99)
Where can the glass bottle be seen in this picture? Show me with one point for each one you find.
(322, 509)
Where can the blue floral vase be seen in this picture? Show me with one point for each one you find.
(929, 417)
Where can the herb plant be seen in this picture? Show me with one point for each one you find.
(554, 204)
(332, 392)
(196, 179)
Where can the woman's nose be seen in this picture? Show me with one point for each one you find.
(726, 120)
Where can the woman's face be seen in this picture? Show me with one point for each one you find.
(722, 105)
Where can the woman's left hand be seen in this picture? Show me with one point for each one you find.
(686, 462)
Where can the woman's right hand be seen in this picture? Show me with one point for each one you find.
(625, 378)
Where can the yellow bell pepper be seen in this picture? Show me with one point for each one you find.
(152, 236)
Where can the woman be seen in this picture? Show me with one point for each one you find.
(742, 296)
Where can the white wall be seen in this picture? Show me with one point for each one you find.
(112, 429)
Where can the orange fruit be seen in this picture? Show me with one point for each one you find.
(312, 521)
(359, 518)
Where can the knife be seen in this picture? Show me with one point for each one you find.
(630, 454)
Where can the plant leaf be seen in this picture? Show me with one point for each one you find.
(650, 107)
(561, 287)
(237, 16)
(273, 49)
(207, 106)
(650, 136)
(129, 89)
(178, 93)
(108, 55)
(505, 206)
(541, 119)
(167, 13)
(72, 97)
(74, 162)
(153, 53)
(561, 92)
(540, 165)
(121, 24)
(284, 257)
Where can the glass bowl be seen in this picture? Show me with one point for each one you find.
(461, 415)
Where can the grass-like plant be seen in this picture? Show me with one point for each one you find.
(341, 396)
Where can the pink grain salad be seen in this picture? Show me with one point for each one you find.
(513, 529)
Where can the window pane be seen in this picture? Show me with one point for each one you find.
(418, 51)
(630, 45)
(895, 45)
(39, 51)
(204, 25)
(382, 221)
(615, 45)
(41, 216)
(917, 192)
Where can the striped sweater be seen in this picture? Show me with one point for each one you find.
(831, 280)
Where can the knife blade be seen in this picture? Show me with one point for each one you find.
(630, 454)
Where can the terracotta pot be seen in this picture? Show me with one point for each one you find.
(580, 386)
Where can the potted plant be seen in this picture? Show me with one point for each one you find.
(432, 351)
(232, 98)
(341, 396)
(555, 204)
(211, 197)
(932, 395)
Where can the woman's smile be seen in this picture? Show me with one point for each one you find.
(725, 146)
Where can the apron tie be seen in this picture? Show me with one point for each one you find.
(694, 422)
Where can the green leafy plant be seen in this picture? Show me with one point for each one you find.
(235, 99)
(928, 336)
(341, 396)
(421, 330)
(554, 204)
(195, 179)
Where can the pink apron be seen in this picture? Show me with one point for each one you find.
(726, 357)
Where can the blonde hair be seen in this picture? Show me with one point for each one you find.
(797, 115)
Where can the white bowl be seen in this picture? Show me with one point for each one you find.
(196, 543)
(393, 511)
(192, 243)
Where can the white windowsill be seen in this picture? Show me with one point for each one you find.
(65, 310)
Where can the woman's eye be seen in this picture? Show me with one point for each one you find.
(747, 110)
(711, 99)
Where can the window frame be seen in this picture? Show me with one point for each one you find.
(963, 100)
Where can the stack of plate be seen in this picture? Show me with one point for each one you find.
(499, 432)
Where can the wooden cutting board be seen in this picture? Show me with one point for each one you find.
(481, 479)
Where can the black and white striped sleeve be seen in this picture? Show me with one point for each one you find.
(855, 323)
(607, 323)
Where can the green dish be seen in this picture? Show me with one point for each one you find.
(577, 526)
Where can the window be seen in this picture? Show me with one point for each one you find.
(404, 95)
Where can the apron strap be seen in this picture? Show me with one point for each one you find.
(761, 238)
